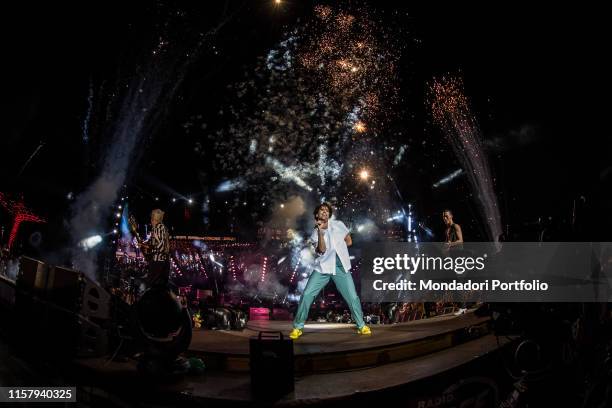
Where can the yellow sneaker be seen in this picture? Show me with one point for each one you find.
(364, 330)
(295, 333)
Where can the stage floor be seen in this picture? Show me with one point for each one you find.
(333, 364)
(372, 385)
(326, 347)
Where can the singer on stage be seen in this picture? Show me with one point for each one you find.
(331, 239)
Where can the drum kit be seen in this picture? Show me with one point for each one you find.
(128, 282)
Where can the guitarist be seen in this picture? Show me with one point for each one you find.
(159, 251)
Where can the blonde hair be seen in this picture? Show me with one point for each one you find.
(158, 214)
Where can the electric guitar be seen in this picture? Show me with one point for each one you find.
(145, 248)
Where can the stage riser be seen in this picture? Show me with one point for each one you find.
(322, 364)
(306, 364)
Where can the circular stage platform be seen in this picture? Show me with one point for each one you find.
(415, 361)
(328, 347)
(420, 362)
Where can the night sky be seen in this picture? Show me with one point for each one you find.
(533, 78)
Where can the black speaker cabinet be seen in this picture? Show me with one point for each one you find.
(271, 360)
(65, 288)
(78, 293)
(96, 301)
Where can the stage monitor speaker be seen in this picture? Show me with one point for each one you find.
(271, 361)
(65, 288)
(76, 292)
(96, 300)
(33, 275)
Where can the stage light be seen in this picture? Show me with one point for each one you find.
(282, 206)
(173, 199)
(190, 201)
(156, 198)
(364, 174)
(115, 231)
(118, 215)
(120, 207)
(90, 242)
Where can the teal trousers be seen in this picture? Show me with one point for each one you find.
(345, 285)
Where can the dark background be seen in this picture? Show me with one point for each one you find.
(535, 78)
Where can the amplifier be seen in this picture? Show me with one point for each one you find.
(271, 365)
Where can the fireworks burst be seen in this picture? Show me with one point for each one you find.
(364, 174)
(326, 81)
(348, 59)
(359, 127)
